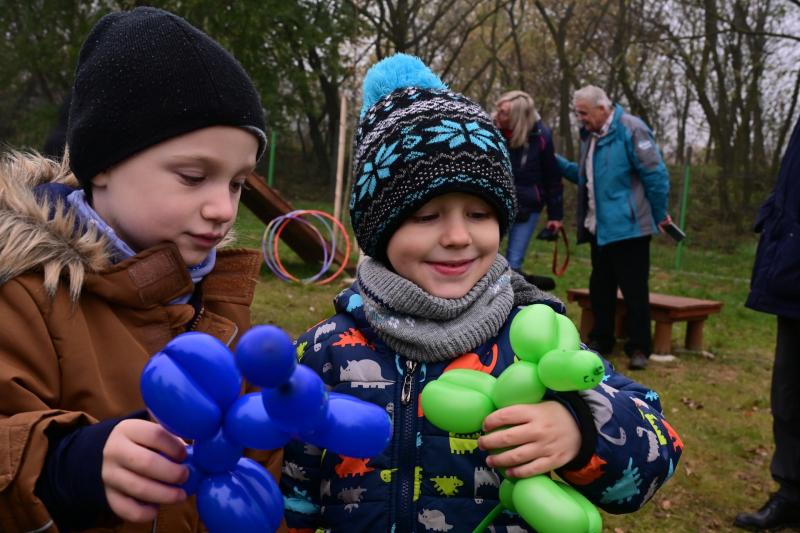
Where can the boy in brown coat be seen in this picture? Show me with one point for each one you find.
(107, 257)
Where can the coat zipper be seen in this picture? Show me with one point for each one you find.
(408, 382)
(407, 447)
(196, 320)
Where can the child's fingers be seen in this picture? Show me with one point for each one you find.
(538, 466)
(150, 464)
(137, 445)
(142, 488)
(515, 456)
(155, 437)
(128, 508)
(507, 437)
(534, 456)
(510, 416)
(524, 461)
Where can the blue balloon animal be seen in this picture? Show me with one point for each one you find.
(192, 387)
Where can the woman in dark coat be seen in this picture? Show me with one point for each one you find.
(536, 175)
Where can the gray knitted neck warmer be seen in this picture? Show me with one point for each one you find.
(427, 328)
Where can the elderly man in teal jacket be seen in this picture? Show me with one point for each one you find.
(623, 188)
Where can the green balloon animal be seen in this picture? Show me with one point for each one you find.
(548, 346)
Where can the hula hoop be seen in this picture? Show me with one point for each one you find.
(270, 253)
(271, 238)
(326, 260)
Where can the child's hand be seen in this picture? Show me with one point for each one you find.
(544, 437)
(136, 476)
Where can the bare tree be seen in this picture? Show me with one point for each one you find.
(726, 70)
(572, 26)
(435, 31)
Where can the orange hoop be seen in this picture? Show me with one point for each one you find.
(282, 222)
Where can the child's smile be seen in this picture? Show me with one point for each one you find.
(207, 240)
(447, 245)
(451, 268)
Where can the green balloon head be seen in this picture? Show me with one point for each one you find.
(534, 332)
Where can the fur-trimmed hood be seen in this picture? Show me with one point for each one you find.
(37, 231)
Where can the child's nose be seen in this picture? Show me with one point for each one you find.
(456, 233)
(220, 206)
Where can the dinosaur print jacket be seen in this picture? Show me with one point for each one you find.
(431, 481)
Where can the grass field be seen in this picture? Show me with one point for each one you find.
(719, 405)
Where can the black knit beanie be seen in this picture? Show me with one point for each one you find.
(145, 76)
(417, 140)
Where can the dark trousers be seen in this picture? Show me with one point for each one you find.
(785, 400)
(624, 264)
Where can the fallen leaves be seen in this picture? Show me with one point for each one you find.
(691, 404)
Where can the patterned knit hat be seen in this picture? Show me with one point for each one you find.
(145, 76)
(416, 140)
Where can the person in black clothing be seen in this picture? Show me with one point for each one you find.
(536, 176)
(775, 289)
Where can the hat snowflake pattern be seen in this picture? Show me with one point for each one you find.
(417, 139)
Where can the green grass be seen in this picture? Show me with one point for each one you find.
(719, 405)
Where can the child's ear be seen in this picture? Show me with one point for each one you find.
(100, 180)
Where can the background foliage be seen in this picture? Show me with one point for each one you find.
(719, 77)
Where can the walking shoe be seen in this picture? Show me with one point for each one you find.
(638, 361)
(778, 513)
(603, 349)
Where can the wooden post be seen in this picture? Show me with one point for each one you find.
(337, 199)
(587, 323)
(694, 334)
(620, 331)
(662, 340)
(273, 146)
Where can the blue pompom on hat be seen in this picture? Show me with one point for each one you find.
(416, 140)
(397, 72)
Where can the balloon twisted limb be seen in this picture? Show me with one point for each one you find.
(192, 387)
(548, 346)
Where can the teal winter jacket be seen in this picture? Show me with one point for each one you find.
(631, 182)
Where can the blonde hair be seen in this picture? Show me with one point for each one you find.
(522, 115)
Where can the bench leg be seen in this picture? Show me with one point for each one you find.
(587, 322)
(694, 335)
(662, 340)
(620, 330)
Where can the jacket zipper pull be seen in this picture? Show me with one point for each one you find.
(408, 380)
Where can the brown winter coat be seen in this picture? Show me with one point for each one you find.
(76, 333)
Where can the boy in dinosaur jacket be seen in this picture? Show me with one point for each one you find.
(432, 198)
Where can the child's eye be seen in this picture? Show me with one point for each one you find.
(425, 217)
(480, 215)
(191, 179)
(237, 186)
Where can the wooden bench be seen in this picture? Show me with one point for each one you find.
(665, 309)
